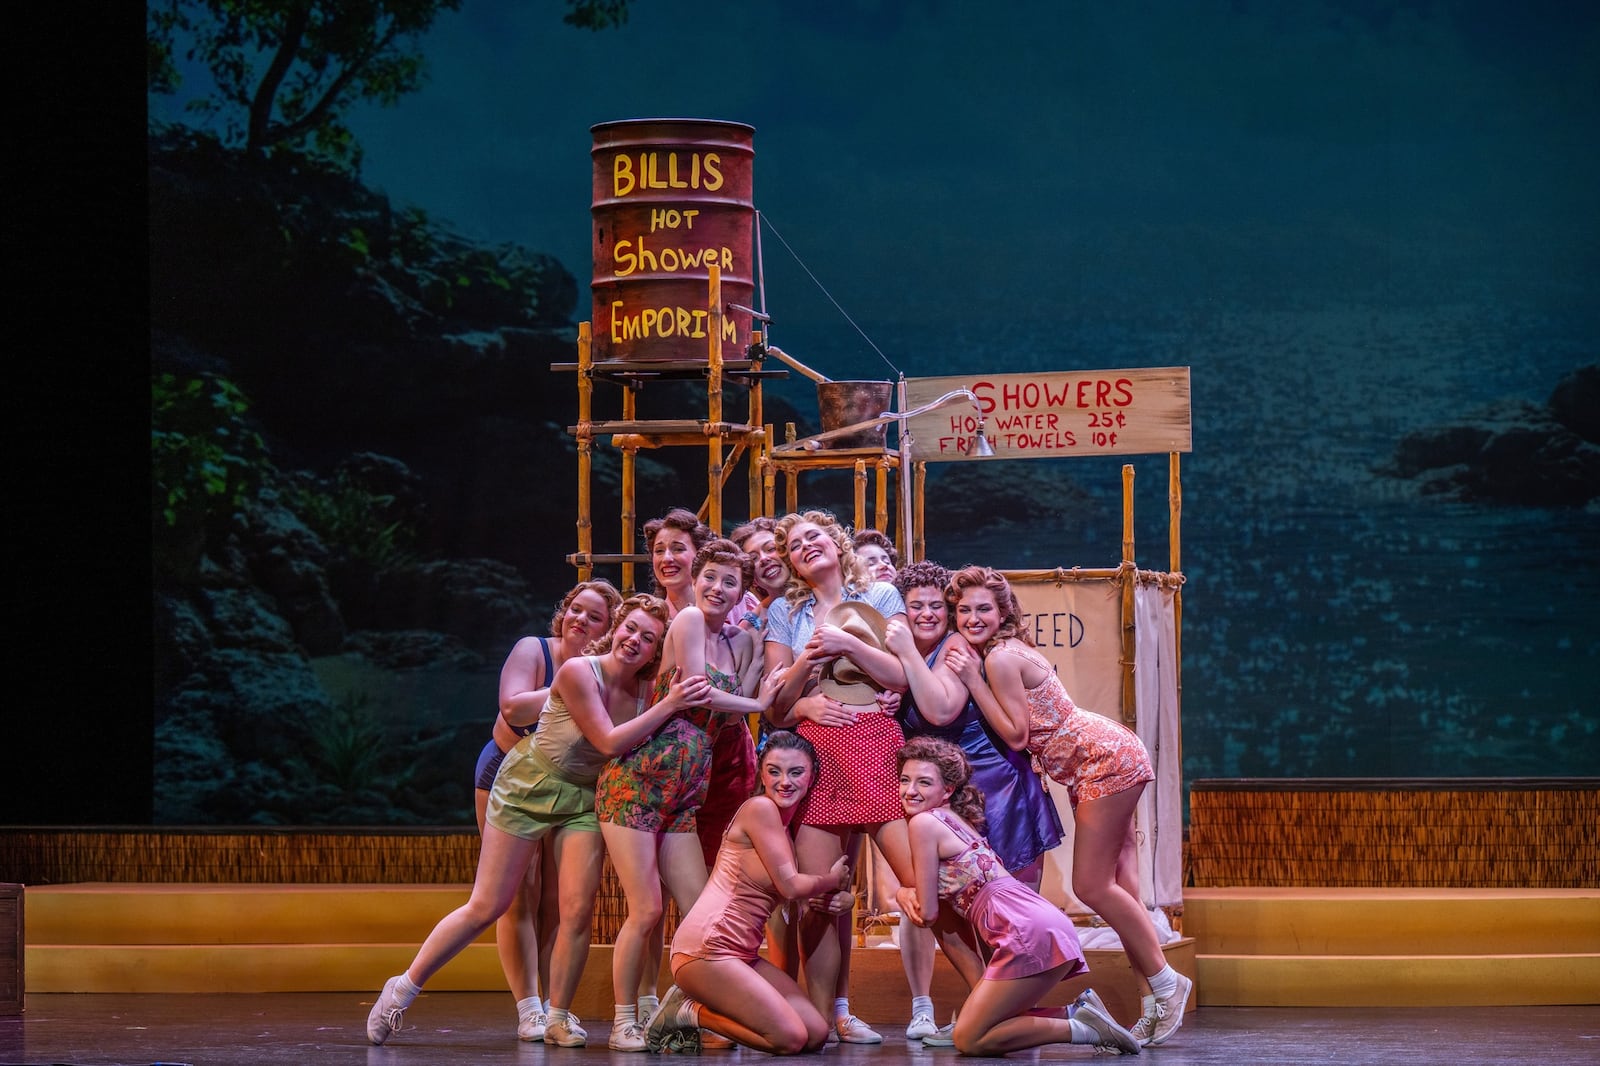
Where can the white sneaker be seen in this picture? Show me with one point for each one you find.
(1108, 1033)
(1088, 996)
(669, 1020)
(853, 1030)
(566, 1033)
(532, 1027)
(922, 1024)
(629, 1036)
(645, 1013)
(944, 1036)
(385, 1018)
(1169, 1012)
(1145, 1027)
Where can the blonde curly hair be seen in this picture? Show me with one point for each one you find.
(857, 578)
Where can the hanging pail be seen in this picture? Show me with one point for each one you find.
(844, 403)
(671, 197)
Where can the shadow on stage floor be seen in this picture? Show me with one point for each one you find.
(473, 1027)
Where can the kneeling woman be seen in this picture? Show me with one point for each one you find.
(723, 983)
(1032, 945)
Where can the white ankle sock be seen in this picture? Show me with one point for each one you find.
(1082, 1034)
(527, 1008)
(649, 1003)
(841, 1009)
(558, 1014)
(1165, 983)
(625, 1015)
(405, 993)
(922, 1005)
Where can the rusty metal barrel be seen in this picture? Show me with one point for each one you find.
(671, 197)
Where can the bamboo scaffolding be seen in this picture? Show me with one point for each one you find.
(585, 444)
(713, 504)
(1130, 636)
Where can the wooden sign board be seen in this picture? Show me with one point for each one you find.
(1047, 415)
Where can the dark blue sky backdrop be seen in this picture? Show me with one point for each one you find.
(923, 156)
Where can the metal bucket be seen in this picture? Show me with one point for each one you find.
(844, 403)
(671, 196)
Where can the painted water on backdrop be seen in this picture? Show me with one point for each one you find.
(1335, 623)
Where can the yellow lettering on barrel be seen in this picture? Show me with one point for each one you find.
(699, 323)
(683, 319)
(713, 175)
(730, 330)
(673, 181)
(622, 180)
(616, 308)
(647, 320)
(727, 258)
(626, 261)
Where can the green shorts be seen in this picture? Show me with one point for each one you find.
(530, 797)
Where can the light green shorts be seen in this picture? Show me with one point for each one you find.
(530, 797)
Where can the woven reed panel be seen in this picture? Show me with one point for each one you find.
(1359, 833)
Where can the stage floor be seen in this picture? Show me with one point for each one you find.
(478, 1027)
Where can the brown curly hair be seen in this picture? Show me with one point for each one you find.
(971, 577)
(681, 519)
(864, 537)
(759, 524)
(954, 769)
(725, 552)
(924, 573)
(607, 591)
(851, 569)
(655, 607)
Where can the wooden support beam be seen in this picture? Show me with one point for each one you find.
(585, 459)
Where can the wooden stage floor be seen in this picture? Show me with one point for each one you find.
(478, 1027)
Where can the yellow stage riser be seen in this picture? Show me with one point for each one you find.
(1255, 921)
(238, 914)
(1397, 980)
(878, 986)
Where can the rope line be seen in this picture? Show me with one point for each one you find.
(764, 219)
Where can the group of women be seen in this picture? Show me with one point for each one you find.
(911, 711)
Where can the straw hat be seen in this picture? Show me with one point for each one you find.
(843, 679)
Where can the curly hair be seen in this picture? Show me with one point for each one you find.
(655, 607)
(725, 552)
(606, 590)
(863, 537)
(971, 577)
(786, 740)
(954, 769)
(682, 520)
(851, 569)
(759, 524)
(925, 573)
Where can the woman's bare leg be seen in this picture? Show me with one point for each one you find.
(1104, 829)
(756, 1004)
(633, 856)
(503, 861)
(996, 1017)
(817, 848)
(579, 858)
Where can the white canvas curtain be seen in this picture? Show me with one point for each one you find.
(1156, 693)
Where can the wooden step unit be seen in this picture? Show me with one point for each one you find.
(119, 937)
(1363, 947)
